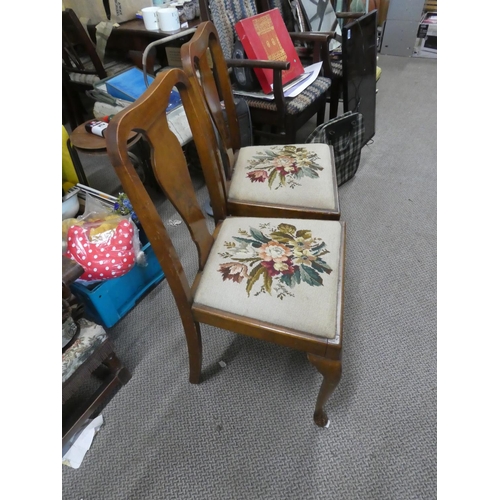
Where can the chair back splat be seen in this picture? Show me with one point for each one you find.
(275, 279)
(148, 117)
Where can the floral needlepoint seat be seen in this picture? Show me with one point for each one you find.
(258, 264)
(295, 175)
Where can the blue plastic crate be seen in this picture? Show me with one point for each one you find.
(108, 302)
(129, 85)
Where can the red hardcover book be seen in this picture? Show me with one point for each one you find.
(265, 37)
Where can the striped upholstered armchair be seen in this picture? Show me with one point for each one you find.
(281, 118)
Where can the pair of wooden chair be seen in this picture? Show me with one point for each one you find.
(266, 271)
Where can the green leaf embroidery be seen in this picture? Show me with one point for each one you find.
(254, 243)
(287, 280)
(258, 235)
(304, 233)
(316, 248)
(254, 277)
(268, 283)
(291, 279)
(273, 175)
(281, 237)
(310, 276)
(321, 266)
(286, 228)
(308, 172)
(271, 153)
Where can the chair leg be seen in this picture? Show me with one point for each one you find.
(115, 366)
(331, 371)
(320, 115)
(290, 131)
(334, 98)
(118, 376)
(193, 338)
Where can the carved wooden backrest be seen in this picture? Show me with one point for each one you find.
(147, 115)
(204, 63)
(77, 43)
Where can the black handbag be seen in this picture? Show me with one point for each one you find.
(345, 133)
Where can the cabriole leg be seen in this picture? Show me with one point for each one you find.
(331, 371)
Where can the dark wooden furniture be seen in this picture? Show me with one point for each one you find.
(91, 143)
(206, 68)
(294, 321)
(278, 120)
(100, 362)
(82, 67)
(133, 35)
(84, 142)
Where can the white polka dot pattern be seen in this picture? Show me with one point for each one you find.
(102, 260)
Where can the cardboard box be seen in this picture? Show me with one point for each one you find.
(426, 44)
(174, 57)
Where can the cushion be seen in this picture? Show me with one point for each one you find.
(281, 271)
(299, 175)
(90, 337)
(336, 67)
(112, 68)
(294, 105)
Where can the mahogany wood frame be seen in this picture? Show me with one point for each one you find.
(147, 116)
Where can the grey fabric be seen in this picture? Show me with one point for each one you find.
(246, 432)
(112, 68)
(225, 14)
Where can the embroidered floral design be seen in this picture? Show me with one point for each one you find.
(283, 166)
(279, 258)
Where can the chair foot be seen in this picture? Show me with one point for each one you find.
(331, 371)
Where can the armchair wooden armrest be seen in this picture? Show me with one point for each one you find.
(320, 50)
(348, 15)
(277, 66)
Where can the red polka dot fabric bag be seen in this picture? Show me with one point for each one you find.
(104, 243)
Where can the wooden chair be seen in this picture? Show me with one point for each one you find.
(280, 119)
(82, 67)
(296, 180)
(275, 279)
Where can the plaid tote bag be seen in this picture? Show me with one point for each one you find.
(345, 133)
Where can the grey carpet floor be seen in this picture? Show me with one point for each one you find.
(246, 432)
